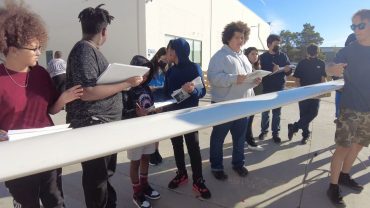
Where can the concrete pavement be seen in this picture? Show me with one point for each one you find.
(288, 175)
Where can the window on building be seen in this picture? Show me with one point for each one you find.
(195, 48)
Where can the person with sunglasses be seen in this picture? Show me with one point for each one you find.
(27, 97)
(353, 125)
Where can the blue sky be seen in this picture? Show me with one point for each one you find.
(331, 18)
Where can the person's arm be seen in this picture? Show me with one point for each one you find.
(67, 96)
(336, 69)
(287, 69)
(3, 135)
(297, 82)
(323, 79)
(100, 92)
(217, 75)
(298, 74)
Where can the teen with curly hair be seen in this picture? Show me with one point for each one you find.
(27, 97)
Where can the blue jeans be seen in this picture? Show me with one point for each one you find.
(237, 129)
(265, 122)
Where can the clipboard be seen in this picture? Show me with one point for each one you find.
(116, 73)
(256, 74)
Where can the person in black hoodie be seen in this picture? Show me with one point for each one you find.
(137, 102)
(181, 75)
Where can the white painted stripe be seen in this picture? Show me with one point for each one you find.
(41, 153)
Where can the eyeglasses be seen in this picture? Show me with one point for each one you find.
(360, 26)
(32, 49)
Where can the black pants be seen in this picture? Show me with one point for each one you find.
(308, 110)
(98, 191)
(192, 143)
(27, 191)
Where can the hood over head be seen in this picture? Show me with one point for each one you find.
(182, 49)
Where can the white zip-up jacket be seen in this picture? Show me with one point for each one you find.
(223, 69)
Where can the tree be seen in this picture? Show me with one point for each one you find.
(295, 43)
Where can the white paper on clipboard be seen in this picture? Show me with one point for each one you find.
(116, 73)
(256, 74)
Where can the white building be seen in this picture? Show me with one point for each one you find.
(143, 26)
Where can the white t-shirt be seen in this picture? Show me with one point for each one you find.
(56, 67)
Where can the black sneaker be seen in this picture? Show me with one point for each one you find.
(150, 193)
(201, 189)
(153, 159)
(158, 156)
(290, 131)
(304, 140)
(242, 171)
(346, 180)
(335, 196)
(140, 201)
(180, 178)
(219, 175)
(276, 139)
(262, 136)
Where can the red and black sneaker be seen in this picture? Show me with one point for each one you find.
(201, 188)
(180, 178)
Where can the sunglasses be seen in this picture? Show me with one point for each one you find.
(360, 26)
(32, 49)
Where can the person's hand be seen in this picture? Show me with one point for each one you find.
(287, 68)
(134, 81)
(188, 87)
(3, 136)
(275, 68)
(240, 79)
(140, 111)
(72, 94)
(336, 69)
(159, 110)
(257, 81)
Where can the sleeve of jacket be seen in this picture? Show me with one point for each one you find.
(216, 73)
(199, 92)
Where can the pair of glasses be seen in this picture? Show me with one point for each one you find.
(32, 49)
(360, 26)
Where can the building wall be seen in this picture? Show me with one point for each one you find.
(200, 20)
(141, 26)
(125, 34)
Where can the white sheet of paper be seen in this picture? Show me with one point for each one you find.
(15, 135)
(164, 103)
(258, 73)
(119, 72)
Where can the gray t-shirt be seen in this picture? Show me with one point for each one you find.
(85, 64)
(356, 90)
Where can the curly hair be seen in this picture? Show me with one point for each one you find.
(19, 26)
(233, 27)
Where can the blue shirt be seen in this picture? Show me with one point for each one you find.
(356, 90)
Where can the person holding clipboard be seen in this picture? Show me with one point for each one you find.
(99, 103)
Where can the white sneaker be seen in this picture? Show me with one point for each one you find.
(256, 148)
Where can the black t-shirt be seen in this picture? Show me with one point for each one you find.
(85, 64)
(310, 71)
(140, 95)
(274, 82)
